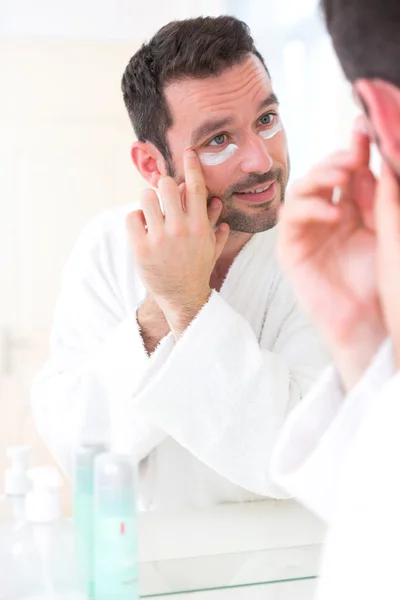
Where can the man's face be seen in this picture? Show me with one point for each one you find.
(233, 124)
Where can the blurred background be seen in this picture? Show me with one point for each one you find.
(65, 141)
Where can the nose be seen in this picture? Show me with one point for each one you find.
(256, 158)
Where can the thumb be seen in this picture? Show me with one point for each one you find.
(214, 211)
(221, 237)
(364, 186)
(387, 218)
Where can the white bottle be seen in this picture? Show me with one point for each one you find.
(39, 561)
(16, 486)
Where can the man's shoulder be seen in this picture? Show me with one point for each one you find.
(106, 228)
(109, 222)
(102, 243)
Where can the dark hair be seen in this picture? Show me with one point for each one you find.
(194, 48)
(366, 37)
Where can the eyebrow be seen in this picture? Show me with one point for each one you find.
(272, 99)
(208, 127)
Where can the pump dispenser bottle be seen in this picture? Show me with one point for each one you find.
(40, 561)
(16, 486)
(84, 509)
(116, 558)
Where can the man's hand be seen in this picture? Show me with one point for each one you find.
(329, 252)
(176, 252)
(387, 213)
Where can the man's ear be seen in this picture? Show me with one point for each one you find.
(149, 162)
(381, 101)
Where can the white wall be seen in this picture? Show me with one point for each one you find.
(96, 20)
(64, 157)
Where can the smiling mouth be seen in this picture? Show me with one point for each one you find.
(259, 190)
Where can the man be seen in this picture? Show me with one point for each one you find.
(176, 337)
(340, 243)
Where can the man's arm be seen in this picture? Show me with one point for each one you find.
(224, 397)
(100, 349)
(316, 440)
(331, 253)
(219, 394)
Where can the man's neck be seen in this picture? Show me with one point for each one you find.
(233, 246)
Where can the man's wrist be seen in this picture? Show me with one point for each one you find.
(152, 324)
(180, 315)
(353, 356)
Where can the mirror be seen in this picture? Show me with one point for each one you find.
(206, 520)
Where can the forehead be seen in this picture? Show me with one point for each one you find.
(236, 93)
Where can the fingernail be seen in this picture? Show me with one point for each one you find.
(190, 153)
(336, 195)
(215, 203)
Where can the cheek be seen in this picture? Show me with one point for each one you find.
(277, 147)
(268, 134)
(218, 179)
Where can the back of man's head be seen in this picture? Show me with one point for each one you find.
(366, 38)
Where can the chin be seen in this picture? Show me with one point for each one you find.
(242, 222)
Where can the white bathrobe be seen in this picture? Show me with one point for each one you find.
(341, 457)
(201, 416)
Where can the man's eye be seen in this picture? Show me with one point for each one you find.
(219, 140)
(267, 119)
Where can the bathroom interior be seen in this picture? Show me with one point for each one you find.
(65, 143)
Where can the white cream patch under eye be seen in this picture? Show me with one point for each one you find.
(211, 159)
(267, 134)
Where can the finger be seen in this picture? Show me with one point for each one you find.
(360, 142)
(171, 199)
(196, 191)
(387, 216)
(214, 211)
(343, 159)
(309, 218)
(136, 225)
(310, 211)
(221, 237)
(152, 210)
(321, 182)
(182, 194)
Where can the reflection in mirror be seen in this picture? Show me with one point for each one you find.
(175, 338)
